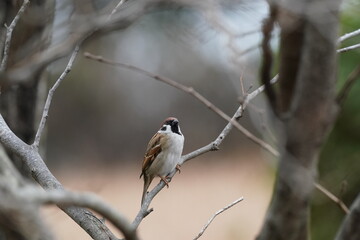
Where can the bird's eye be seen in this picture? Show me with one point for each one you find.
(163, 128)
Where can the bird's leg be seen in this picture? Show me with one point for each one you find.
(178, 168)
(165, 181)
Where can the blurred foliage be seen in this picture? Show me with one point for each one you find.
(339, 162)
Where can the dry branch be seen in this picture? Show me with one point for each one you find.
(34, 162)
(45, 113)
(190, 91)
(9, 31)
(215, 215)
(344, 92)
(349, 229)
(346, 49)
(349, 35)
(85, 200)
(334, 198)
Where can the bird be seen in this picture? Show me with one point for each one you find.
(163, 153)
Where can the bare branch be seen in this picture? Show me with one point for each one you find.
(344, 92)
(334, 198)
(86, 200)
(215, 215)
(116, 8)
(45, 113)
(83, 28)
(9, 31)
(214, 145)
(349, 35)
(40, 172)
(349, 229)
(346, 49)
(190, 91)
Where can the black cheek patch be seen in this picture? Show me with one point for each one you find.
(175, 129)
(163, 128)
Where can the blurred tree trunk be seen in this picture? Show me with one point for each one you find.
(19, 102)
(305, 106)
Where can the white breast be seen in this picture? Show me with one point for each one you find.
(170, 155)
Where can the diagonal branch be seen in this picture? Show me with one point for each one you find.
(349, 35)
(344, 92)
(40, 172)
(9, 31)
(334, 198)
(349, 229)
(215, 215)
(45, 113)
(116, 8)
(346, 49)
(190, 91)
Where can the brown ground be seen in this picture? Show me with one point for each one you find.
(181, 210)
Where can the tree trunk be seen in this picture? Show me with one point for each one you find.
(306, 110)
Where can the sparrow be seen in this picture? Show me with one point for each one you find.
(163, 153)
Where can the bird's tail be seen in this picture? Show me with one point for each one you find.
(147, 182)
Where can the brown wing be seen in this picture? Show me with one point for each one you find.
(153, 149)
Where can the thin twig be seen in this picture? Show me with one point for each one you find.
(9, 31)
(349, 35)
(215, 215)
(346, 49)
(214, 145)
(116, 8)
(45, 113)
(190, 91)
(344, 92)
(335, 199)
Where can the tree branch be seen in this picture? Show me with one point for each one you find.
(83, 28)
(349, 35)
(334, 198)
(215, 215)
(85, 200)
(33, 161)
(349, 229)
(9, 31)
(190, 91)
(344, 92)
(346, 49)
(116, 8)
(45, 113)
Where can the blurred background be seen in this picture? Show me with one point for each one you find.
(103, 116)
